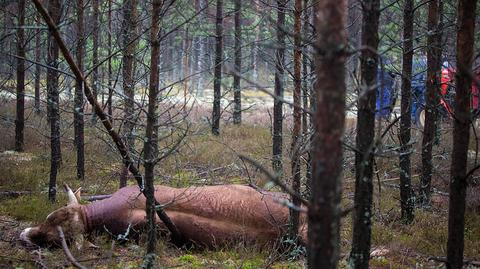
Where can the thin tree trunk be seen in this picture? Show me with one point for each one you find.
(217, 80)
(20, 117)
(324, 211)
(78, 102)
(55, 8)
(297, 119)
(432, 100)
(309, 94)
(360, 254)
(96, 40)
(109, 63)
(279, 88)
(186, 57)
(38, 51)
(304, 81)
(129, 32)
(201, 53)
(406, 192)
(461, 133)
(256, 47)
(151, 147)
(237, 94)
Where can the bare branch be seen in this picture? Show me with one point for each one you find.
(67, 251)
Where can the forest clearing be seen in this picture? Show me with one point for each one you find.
(239, 134)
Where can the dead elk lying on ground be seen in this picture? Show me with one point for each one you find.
(208, 216)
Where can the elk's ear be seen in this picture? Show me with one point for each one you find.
(78, 194)
(72, 199)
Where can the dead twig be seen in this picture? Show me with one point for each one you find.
(12, 194)
(444, 260)
(67, 251)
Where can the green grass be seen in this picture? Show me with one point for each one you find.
(30, 207)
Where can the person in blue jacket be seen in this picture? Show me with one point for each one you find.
(386, 93)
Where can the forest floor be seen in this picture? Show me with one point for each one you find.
(206, 159)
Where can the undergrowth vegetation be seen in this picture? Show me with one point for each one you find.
(206, 159)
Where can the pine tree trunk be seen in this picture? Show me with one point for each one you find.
(360, 254)
(406, 192)
(324, 211)
(186, 57)
(432, 99)
(96, 40)
(279, 88)
(201, 52)
(20, 115)
(38, 35)
(237, 94)
(461, 133)
(217, 80)
(151, 147)
(304, 81)
(129, 32)
(297, 119)
(308, 94)
(54, 9)
(109, 63)
(78, 100)
(256, 47)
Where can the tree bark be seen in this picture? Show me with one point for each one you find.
(217, 80)
(324, 211)
(150, 146)
(96, 40)
(129, 46)
(54, 9)
(237, 94)
(186, 58)
(109, 63)
(279, 76)
(406, 193)
(461, 132)
(38, 51)
(432, 99)
(20, 115)
(297, 119)
(360, 254)
(304, 80)
(255, 46)
(201, 52)
(78, 100)
(307, 94)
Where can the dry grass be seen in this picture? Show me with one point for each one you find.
(207, 159)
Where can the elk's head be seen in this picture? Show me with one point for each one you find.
(69, 217)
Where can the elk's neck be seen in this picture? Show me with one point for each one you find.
(110, 214)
